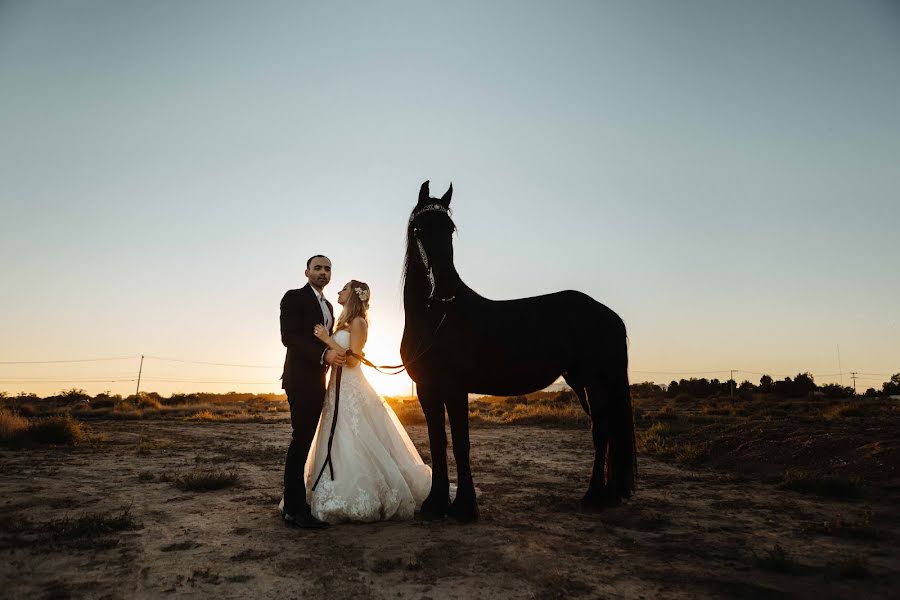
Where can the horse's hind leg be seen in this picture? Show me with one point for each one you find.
(598, 493)
(465, 506)
(577, 385)
(438, 500)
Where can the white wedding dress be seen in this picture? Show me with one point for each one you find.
(378, 474)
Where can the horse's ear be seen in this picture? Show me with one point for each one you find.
(424, 194)
(445, 199)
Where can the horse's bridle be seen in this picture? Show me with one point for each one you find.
(429, 272)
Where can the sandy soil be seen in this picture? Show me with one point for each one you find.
(686, 534)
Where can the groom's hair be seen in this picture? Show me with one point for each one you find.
(316, 256)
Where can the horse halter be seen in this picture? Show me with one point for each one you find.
(429, 272)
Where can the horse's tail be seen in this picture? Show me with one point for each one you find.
(623, 449)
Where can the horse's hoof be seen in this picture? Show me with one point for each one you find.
(600, 500)
(427, 515)
(463, 514)
(432, 510)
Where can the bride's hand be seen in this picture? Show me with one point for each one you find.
(320, 332)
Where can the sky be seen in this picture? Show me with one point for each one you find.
(723, 175)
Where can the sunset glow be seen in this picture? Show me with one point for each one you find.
(735, 202)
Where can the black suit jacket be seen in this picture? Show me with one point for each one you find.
(300, 313)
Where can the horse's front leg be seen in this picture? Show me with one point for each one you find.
(465, 506)
(436, 504)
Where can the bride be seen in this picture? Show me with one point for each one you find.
(377, 472)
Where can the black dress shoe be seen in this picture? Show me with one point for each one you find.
(303, 520)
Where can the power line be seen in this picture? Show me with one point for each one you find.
(66, 380)
(215, 364)
(680, 372)
(80, 360)
(155, 380)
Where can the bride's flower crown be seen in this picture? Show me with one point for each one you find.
(363, 294)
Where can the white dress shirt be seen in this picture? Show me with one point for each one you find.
(325, 312)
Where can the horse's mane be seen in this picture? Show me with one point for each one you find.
(407, 259)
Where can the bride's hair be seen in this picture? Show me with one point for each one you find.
(356, 306)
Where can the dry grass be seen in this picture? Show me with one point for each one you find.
(56, 430)
(12, 425)
(550, 409)
(828, 485)
(203, 480)
(92, 525)
(232, 417)
(146, 402)
(92, 531)
(543, 414)
(16, 430)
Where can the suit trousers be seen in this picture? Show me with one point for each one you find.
(306, 402)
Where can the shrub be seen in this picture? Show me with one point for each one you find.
(56, 430)
(148, 402)
(546, 415)
(12, 425)
(655, 440)
(831, 486)
(205, 480)
(74, 395)
(93, 525)
(104, 401)
(842, 411)
(692, 454)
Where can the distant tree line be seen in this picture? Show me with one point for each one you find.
(801, 386)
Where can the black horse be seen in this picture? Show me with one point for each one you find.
(456, 342)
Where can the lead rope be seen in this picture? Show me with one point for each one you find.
(337, 400)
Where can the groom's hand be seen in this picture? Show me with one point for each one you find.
(336, 358)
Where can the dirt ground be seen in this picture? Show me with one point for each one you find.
(686, 534)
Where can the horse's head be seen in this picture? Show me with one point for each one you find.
(430, 244)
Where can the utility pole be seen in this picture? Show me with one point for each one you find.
(137, 392)
(853, 377)
(732, 385)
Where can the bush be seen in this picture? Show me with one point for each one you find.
(655, 440)
(93, 525)
(547, 415)
(73, 396)
(145, 402)
(831, 486)
(205, 480)
(12, 426)
(17, 430)
(104, 401)
(56, 430)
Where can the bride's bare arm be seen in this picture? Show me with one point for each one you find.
(322, 334)
(359, 332)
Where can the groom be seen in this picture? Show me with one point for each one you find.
(303, 380)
